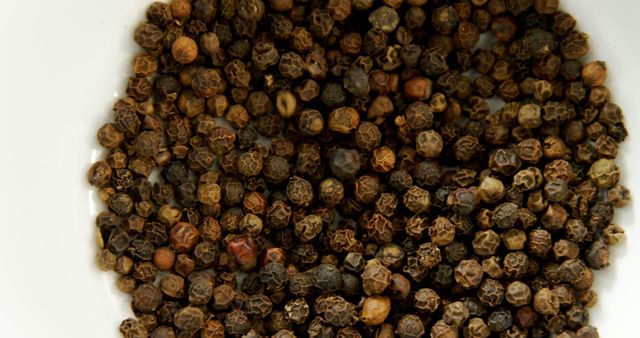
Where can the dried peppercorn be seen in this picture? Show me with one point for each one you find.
(375, 310)
(308, 228)
(343, 120)
(310, 122)
(132, 328)
(344, 163)
(336, 310)
(244, 250)
(326, 278)
(184, 50)
(462, 201)
(546, 302)
(375, 278)
(455, 313)
(299, 191)
(418, 88)
(410, 326)
(604, 173)
(237, 323)
(468, 273)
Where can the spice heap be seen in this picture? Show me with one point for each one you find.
(334, 168)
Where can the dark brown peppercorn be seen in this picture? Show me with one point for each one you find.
(326, 278)
(237, 323)
(462, 201)
(344, 163)
(574, 45)
(208, 82)
(147, 298)
(291, 65)
(148, 36)
(367, 136)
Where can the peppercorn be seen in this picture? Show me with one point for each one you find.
(244, 249)
(237, 323)
(546, 302)
(164, 258)
(335, 310)
(184, 50)
(183, 237)
(442, 330)
(299, 191)
(344, 163)
(308, 228)
(356, 81)
(99, 174)
(604, 173)
(326, 278)
(410, 326)
(344, 120)
(462, 201)
(468, 273)
(455, 314)
(418, 88)
(132, 328)
(500, 320)
(375, 310)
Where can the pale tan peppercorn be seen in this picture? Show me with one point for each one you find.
(375, 310)
(286, 104)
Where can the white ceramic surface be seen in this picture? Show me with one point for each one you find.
(63, 63)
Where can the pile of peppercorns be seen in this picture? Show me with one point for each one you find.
(334, 168)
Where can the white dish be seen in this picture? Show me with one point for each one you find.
(63, 63)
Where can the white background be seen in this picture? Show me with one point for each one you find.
(63, 62)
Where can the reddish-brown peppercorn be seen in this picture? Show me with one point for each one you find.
(164, 258)
(245, 251)
(418, 88)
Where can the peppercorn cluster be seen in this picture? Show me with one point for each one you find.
(337, 168)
